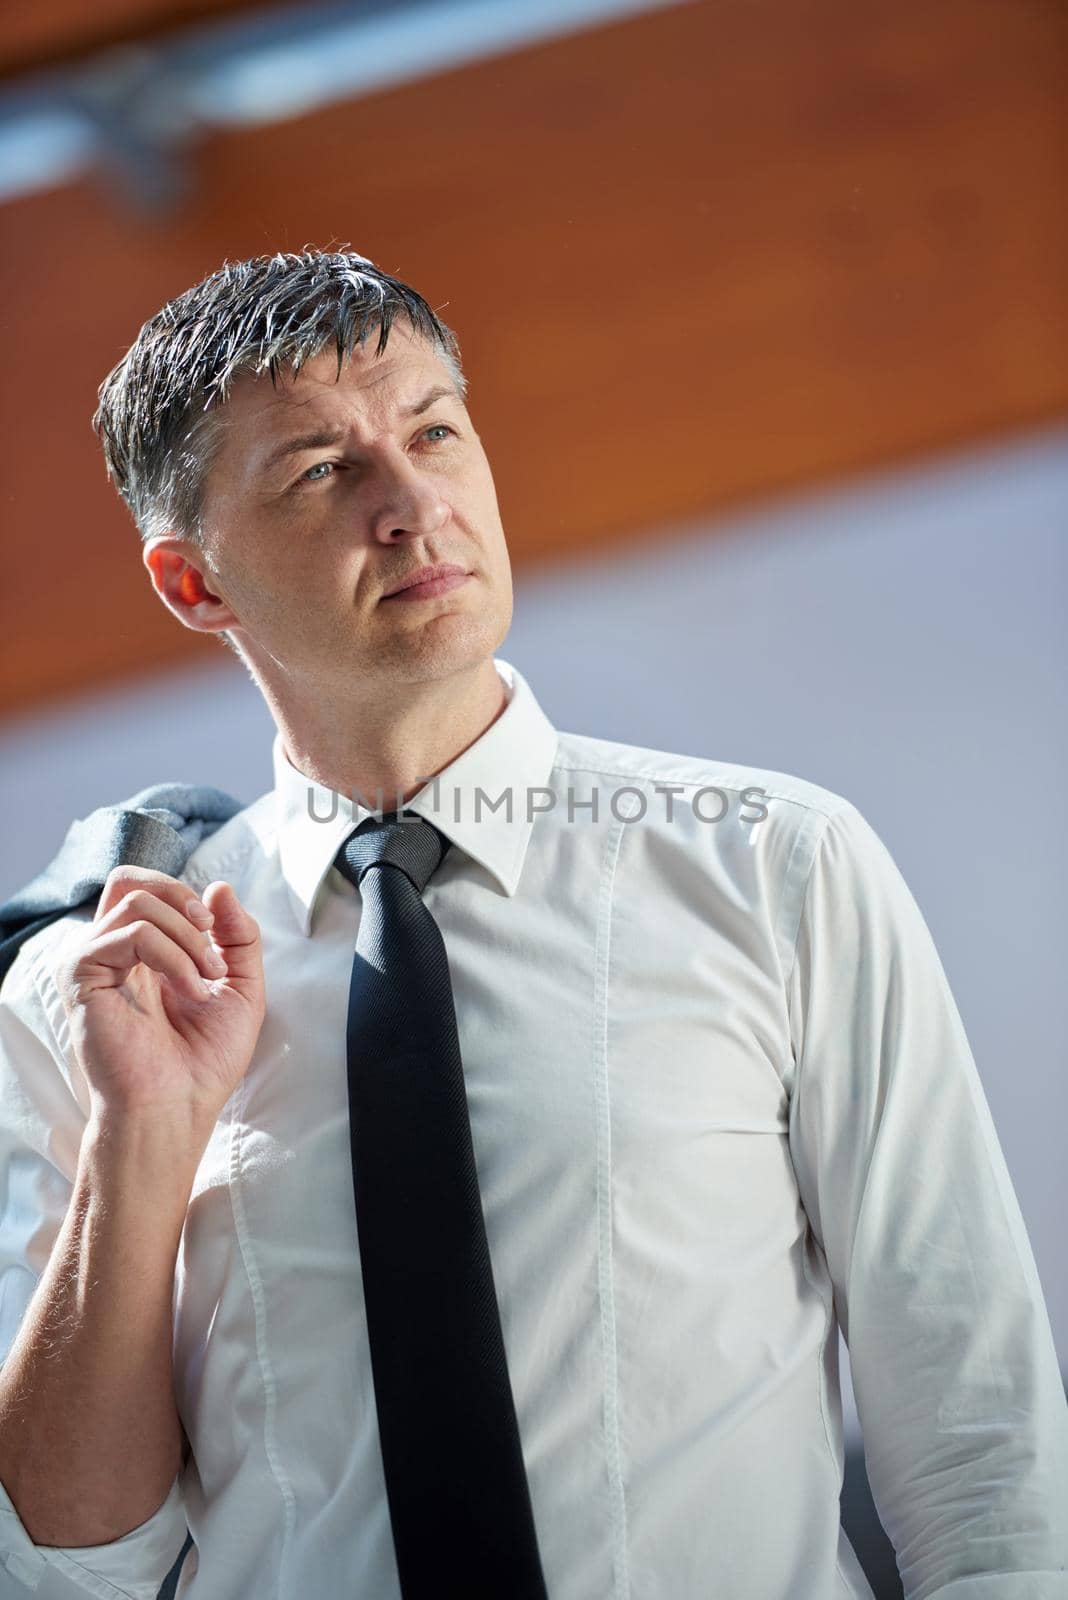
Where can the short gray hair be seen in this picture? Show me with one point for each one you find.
(157, 418)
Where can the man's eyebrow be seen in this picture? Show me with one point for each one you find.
(441, 391)
(320, 438)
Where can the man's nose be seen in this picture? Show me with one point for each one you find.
(410, 503)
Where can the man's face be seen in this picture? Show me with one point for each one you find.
(327, 492)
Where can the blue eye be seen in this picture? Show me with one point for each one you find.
(320, 466)
(439, 427)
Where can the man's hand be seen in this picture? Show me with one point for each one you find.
(165, 998)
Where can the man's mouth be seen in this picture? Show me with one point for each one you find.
(426, 582)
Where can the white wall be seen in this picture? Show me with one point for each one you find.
(902, 643)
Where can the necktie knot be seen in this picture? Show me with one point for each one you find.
(406, 841)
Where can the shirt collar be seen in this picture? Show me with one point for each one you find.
(516, 754)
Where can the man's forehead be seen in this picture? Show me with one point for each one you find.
(376, 379)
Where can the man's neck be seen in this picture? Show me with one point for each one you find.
(381, 755)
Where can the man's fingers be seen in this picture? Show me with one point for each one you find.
(213, 930)
(122, 881)
(143, 904)
(108, 960)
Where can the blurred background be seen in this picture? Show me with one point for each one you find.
(764, 308)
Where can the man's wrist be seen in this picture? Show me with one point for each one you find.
(147, 1153)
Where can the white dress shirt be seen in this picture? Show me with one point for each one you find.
(722, 1102)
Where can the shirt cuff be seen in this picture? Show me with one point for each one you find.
(130, 1568)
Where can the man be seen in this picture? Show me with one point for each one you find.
(720, 1098)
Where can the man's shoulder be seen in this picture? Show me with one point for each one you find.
(641, 764)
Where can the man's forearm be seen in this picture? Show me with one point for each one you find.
(90, 1438)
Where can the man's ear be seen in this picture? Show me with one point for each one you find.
(177, 569)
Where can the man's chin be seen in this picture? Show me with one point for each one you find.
(450, 643)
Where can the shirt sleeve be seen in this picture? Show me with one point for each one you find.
(43, 1113)
(958, 1391)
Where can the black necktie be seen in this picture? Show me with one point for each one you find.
(458, 1497)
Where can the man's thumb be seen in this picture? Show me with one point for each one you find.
(234, 931)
